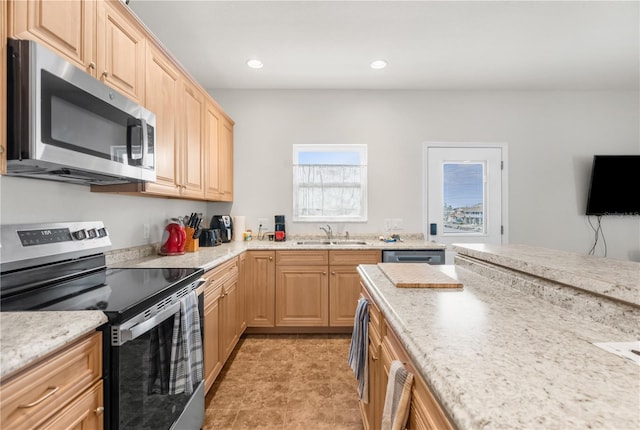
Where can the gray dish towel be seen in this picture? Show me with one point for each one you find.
(398, 398)
(186, 349)
(358, 350)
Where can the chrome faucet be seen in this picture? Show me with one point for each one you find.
(328, 231)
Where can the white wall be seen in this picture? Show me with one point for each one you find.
(551, 137)
(30, 200)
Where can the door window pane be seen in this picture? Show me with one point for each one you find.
(464, 198)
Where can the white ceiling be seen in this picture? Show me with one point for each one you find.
(434, 45)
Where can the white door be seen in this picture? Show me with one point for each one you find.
(465, 194)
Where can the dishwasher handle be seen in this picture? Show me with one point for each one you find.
(413, 258)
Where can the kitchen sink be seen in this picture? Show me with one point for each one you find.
(313, 242)
(333, 242)
(348, 242)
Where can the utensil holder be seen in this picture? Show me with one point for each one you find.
(191, 244)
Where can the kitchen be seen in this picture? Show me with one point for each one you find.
(555, 127)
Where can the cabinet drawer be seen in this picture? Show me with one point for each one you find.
(307, 258)
(86, 412)
(353, 258)
(37, 393)
(222, 272)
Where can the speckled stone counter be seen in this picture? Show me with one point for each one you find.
(497, 357)
(210, 257)
(28, 336)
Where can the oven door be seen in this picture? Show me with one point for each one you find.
(139, 367)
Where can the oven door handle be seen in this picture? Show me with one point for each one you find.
(121, 334)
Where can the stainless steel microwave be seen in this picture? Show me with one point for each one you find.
(65, 125)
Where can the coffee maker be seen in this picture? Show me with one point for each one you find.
(280, 233)
(225, 225)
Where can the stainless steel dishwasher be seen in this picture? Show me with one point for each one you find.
(430, 256)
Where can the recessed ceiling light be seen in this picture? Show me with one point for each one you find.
(255, 64)
(378, 64)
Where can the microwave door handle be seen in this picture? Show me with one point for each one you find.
(145, 141)
(131, 124)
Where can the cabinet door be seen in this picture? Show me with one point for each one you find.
(344, 291)
(212, 358)
(302, 296)
(66, 27)
(121, 50)
(242, 296)
(260, 288)
(212, 149)
(226, 161)
(192, 132)
(162, 88)
(371, 411)
(84, 413)
(230, 331)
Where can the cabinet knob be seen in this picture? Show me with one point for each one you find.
(99, 410)
(105, 74)
(333, 273)
(270, 258)
(92, 65)
(324, 273)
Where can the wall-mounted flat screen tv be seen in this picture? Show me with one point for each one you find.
(615, 185)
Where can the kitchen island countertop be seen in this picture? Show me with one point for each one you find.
(497, 357)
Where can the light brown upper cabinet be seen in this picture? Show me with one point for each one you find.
(194, 137)
(162, 90)
(66, 27)
(192, 156)
(120, 50)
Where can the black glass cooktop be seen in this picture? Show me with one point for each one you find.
(119, 293)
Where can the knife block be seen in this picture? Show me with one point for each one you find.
(191, 244)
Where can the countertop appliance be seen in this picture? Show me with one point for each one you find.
(65, 125)
(61, 267)
(174, 239)
(430, 256)
(225, 225)
(279, 228)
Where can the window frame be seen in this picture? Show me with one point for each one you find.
(361, 149)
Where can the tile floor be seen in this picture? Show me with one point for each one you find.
(282, 382)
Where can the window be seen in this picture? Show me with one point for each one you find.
(330, 183)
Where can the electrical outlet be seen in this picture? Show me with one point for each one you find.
(146, 231)
(387, 224)
(396, 224)
(263, 222)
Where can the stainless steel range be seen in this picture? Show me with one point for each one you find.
(61, 267)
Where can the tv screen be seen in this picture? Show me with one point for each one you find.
(615, 185)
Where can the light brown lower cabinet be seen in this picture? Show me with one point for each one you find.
(425, 413)
(222, 323)
(260, 288)
(64, 390)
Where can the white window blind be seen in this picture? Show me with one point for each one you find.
(330, 183)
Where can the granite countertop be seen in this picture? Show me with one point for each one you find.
(496, 357)
(28, 336)
(619, 279)
(210, 257)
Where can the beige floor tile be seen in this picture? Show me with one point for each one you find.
(256, 419)
(278, 382)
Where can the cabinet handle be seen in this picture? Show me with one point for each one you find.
(270, 258)
(333, 273)
(105, 74)
(41, 399)
(324, 273)
(92, 65)
(99, 410)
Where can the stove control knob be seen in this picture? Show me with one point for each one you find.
(102, 232)
(80, 234)
(92, 233)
